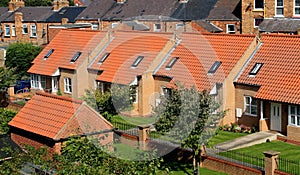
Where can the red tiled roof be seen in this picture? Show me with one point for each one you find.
(65, 44)
(124, 49)
(45, 114)
(198, 52)
(279, 76)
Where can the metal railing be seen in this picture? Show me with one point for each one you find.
(288, 166)
(126, 128)
(248, 160)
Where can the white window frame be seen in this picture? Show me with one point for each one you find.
(33, 31)
(279, 7)
(7, 30)
(296, 6)
(250, 105)
(134, 95)
(13, 30)
(179, 25)
(95, 26)
(114, 25)
(38, 81)
(229, 31)
(259, 7)
(67, 85)
(296, 115)
(24, 26)
(54, 84)
(155, 27)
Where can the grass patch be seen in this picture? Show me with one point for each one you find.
(133, 120)
(223, 136)
(127, 152)
(287, 151)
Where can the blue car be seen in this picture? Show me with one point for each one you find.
(22, 86)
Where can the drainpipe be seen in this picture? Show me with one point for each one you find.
(261, 110)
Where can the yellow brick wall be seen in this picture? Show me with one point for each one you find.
(69, 74)
(293, 133)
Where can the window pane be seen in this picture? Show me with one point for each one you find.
(247, 99)
(247, 110)
(293, 119)
(259, 4)
(279, 2)
(293, 110)
(254, 102)
(298, 121)
(279, 11)
(298, 111)
(297, 2)
(297, 11)
(254, 110)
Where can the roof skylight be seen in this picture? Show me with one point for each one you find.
(172, 62)
(255, 69)
(75, 57)
(103, 58)
(214, 67)
(137, 61)
(48, 53)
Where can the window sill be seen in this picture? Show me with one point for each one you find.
(33, 37)
(250, 115)
(258, 10)
(67, 92)
(279, 16)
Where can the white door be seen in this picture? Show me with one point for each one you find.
(275, 116)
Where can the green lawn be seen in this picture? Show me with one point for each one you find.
(133, 120)
(223, 136)
(287, 151)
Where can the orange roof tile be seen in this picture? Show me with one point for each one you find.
(65, 44)
(124, 50)
(198, 52)
(279, 76)
(45, 114)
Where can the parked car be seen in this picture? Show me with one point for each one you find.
(22, 86)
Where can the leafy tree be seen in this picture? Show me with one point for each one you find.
(4, 3)
(5, 117)
(186, 116)
(7, 77)
(20, 56)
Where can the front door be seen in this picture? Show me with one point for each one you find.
(276, 116)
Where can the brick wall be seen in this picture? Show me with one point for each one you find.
(240, 92)
(293, 133)
(223, 25)
(67, 74)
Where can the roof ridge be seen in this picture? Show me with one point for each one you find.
(134, 31)
(73, 30)
(220, 34)
(59, 97)
(280, 35)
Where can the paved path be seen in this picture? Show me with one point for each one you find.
(248, 140)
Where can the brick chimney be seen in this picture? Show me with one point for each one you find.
(183, 1)
(19, 24)
(58, 4)
(15, 4)
(121, 1)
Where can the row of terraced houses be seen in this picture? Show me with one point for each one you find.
(152, 46)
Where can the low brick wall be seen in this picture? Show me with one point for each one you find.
(228, 167)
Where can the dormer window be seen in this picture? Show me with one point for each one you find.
(75, 57)
(255, 69)
(103, 58)
(172, 62)
(137, 61)
(48, 53)
(214, 67)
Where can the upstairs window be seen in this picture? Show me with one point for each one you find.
(48, 53)
(297, 8)
(279, 8)
(25, 29)
(157, 28)
(103, 58)
(13, 30)
(294, 115)
(250, 106)
(75, 57)
(214, 67)
(134, 94)
(95, 26)
(33, 31)
(178, 26)
(230, 28)
(7, 30)
(137, 61)
(172, 62)
(258, 4)
(255, 69)
(114, 25)
(68, 85)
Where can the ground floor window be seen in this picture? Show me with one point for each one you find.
(134, 94)
(250, 106)
(68, 85)
(38, 81)
(103, 86)
(294, 115)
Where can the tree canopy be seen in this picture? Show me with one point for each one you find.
(189, 117)
(20, 56)
(7, 77)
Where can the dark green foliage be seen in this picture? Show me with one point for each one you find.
(20, 56)
(4, 3)
(7, 77)
(5, 117)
